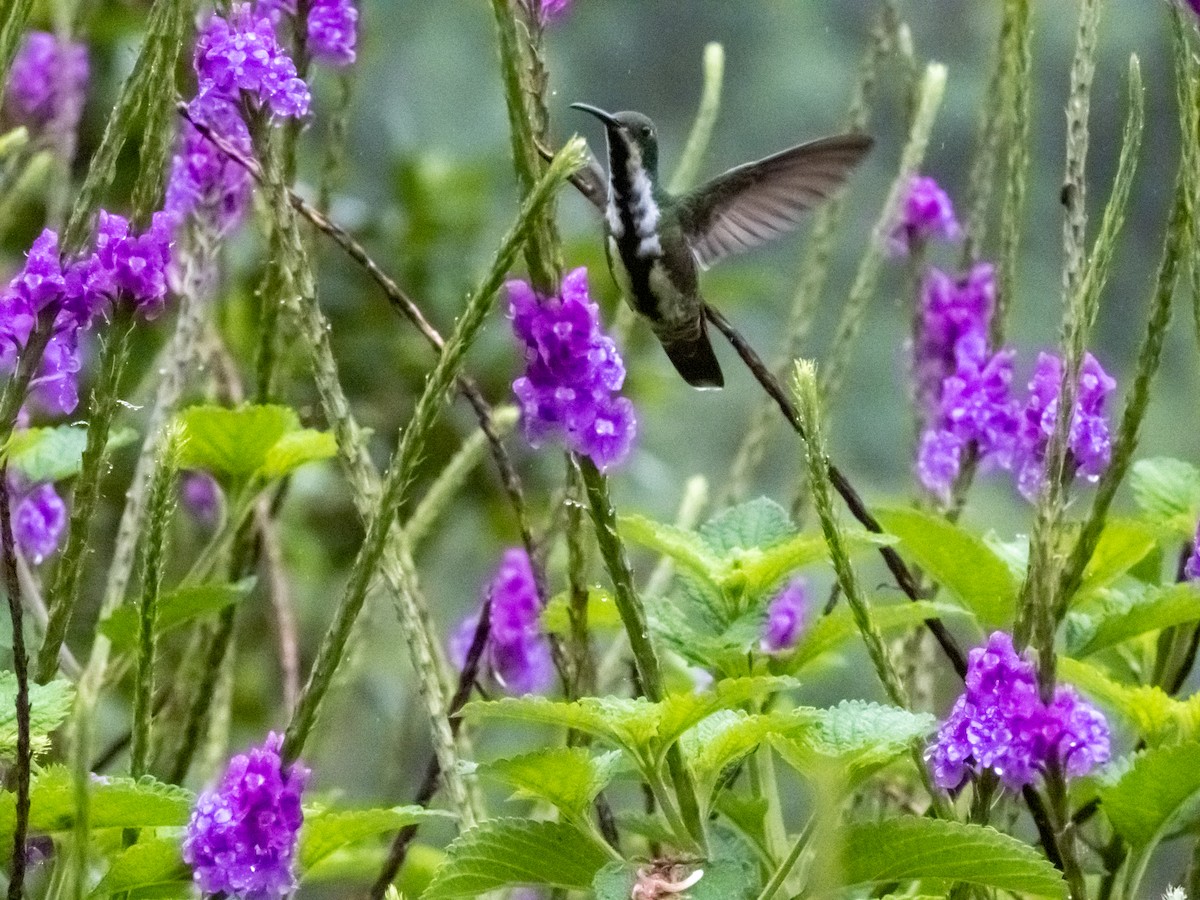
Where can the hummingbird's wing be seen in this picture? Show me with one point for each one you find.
(759, 201)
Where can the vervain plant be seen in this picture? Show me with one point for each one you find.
(632, 708)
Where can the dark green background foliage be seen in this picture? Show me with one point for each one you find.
(426, 180)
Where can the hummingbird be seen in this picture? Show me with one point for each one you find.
(656, 243)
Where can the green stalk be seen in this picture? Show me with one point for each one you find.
(981, 181)
(1035, 612)
(399, 477)
(11, 29)
(637, 629)
(64, 591)
(1181, 231)
(930, 91)
(702, 125)
(161, 507)
(540, 249)
(806, 394)
(1018, 89)
(581, 662)
(775, 885)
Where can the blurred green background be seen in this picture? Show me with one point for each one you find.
(426, 181)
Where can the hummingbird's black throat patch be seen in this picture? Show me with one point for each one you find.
(629, 241)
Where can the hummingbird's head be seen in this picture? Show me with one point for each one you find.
(635, 131)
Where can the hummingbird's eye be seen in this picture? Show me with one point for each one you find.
(647, 131)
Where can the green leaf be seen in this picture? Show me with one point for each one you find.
(116, 802)
(509, 852)
(49, 706)
(861, 737)
(646, 730)
(1123, 544)
(720, 740)
(1113, 618)
(912, 848)
(1157, 793)
(1156, 716)
(55, 453)
(831, 631)
(293, 450)
(754, 572)
(1168, 491)
(601, 611)
(567, 777)
(686, 548)
(958, 560)
(233, 442)
(327, 831)
(148, 863)
(756, 524)
(176, 608)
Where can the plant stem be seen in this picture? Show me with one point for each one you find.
(785, 868)
(12, 585)
(64, 591)
(702, 125)
(637, 629)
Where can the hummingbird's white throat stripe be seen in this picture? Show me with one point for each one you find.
(645, 210)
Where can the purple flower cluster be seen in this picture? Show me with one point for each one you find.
(47, 85)
(333, 31)
(204, 182)
(38, 520)
(926, 213)
(1191, 568)
(964, 386)
(241, 56)
(786, 616)
(517, 652)
(201, 496)
(1000, 724)
(548, 10)
(124, 267)
(572, 373)
(242, 836)
(1088, 440)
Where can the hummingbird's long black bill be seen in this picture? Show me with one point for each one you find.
(606, 117)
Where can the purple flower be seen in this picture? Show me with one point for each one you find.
(572, 373)
(951, 308)
(46, 85)
(242, 54)
(517, 652)
(926, 213)
(1000, 724)
(38, 522)
(1088, 441)
(202, 496)
(204, 182)
(241, 839)
(332, 31)
(135, 265)
(1193, 5)
(1192, 567)
(549, 10)
(785, 617)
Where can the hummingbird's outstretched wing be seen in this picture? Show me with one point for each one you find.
(754, 203)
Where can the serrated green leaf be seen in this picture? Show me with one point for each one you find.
(55, 453)
(176, 608)
(1123, 544)
(961, 562)
(116, 802)
(233, 442)
(1158, 792)
(602, 612)
(860, 737)
(831, 631)
(511, 852)
(1157, 717)
(1168, 491)
(49, 706)
(757, 571)
(644, 729)
(327, 831)
(569, 778)
(757, 524)
(148, 863)
(686, 548)
(720, 740)
(295, 449)
(1112, 618)
(911, 848)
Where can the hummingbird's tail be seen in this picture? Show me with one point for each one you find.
(692, 354)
